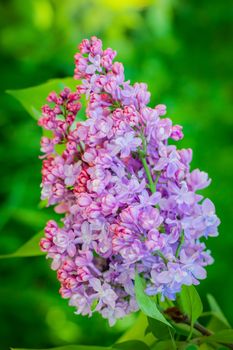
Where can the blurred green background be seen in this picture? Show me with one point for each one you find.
(182, 50)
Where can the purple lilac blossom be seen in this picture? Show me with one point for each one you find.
(127, 196)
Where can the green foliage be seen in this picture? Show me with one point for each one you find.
(28, 249)
(164, 345)
(146, 304)
(138, 331)
(190, 303)
(217, 313)
(34, 98)
(158, 329)
(128, 345)
(183, 329)
(225, 336)
(205, 346)
(131, 345)
(73, 347)
(191, 347)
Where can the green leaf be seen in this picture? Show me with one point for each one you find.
(131, 345)
(137, 332)
(147, 331)
(159, 329)
(191, 347)
(33, 98)
(216, 310)
(205, 346)
(190, 303)
(30, 217)
(164, 345)
(146, 304)
(215, 324)
(225, 336)
(72, 347)
(184, 329)
(30, 248)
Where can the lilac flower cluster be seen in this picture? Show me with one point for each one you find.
(127, 195)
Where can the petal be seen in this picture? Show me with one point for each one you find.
(96, 285)
(208, 207)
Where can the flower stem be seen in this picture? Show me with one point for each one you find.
(180, 244)
(172, 339)
(160, 254)
(142, 156)
(148, 174)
